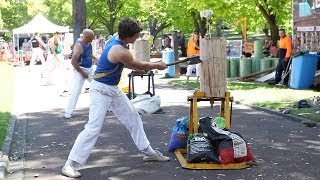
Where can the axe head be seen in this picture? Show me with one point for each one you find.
(194, 60)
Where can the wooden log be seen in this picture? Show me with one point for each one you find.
(213, 76)
(141, 50)
(256, 73)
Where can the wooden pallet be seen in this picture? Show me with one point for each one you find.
(193, 128)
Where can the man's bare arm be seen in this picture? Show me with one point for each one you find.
(41, 42)
(119, 54)
(77, 51)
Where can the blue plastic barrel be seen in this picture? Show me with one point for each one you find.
(303, 70)
(304, 9)
(168, 57)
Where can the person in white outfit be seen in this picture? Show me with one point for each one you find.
(105, 94)
(82, 62)
(54, 59)
(37, 52)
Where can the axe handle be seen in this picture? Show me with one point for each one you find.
(178, 62)
(192, 59)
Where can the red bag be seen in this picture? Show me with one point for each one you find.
(226, 154)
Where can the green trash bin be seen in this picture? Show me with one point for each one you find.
(234, 68)
(245, 66)
(265, 63)
(228, 68)
(255, 65)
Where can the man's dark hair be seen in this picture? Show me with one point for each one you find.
(128, 27)
(282, 30)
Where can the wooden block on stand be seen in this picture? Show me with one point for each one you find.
(213, 76)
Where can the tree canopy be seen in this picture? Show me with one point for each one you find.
(157, 16)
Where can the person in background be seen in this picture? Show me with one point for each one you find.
(285, 50)
(55, 58)
(181, 43)
(101, 41)
(267, 45)
(26, 46)
(37, 52)
(82, 62)
(193, 49)
(167, 42)
(105, 94)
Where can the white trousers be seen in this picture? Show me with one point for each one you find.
(102, 98)
(77, 87)
(53, 64)
(37, 53)
(190, 68)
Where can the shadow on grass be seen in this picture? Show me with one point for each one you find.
(232, 85)
(191, 85)
(273, 105)
(309, 113)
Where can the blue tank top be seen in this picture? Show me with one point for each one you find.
(85, 59)
(107, 72)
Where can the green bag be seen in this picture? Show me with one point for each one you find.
(59, 48)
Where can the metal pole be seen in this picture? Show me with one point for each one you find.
(176, 53)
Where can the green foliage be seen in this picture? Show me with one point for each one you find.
(14, 14)
(4, 122)
(1, 21)
(58, 11)
(158, 16)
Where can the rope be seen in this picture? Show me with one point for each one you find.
(214, 58)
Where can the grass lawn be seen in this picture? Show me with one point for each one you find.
(268, 96)
(6, 98)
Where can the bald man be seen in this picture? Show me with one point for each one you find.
(82, 62)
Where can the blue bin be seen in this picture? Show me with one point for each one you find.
(303, 70)
(168, 57)
(304, 9)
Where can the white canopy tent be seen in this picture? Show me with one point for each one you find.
(38, 24)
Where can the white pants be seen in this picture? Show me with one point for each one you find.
(77, 87)
(102, 98)
(37, 53)
(190, 68)
(52, 65)
(65, 76)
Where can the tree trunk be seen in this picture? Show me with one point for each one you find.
(266, 31)
(199, 23)
(156, 27)
(270, 17)
(218, 27)
(79, 17)
(274, 32)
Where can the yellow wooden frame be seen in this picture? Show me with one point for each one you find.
(193, 128)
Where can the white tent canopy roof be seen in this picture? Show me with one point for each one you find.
(40, 24)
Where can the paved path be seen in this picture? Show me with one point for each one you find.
(283, 149)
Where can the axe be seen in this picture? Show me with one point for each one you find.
(192, 60)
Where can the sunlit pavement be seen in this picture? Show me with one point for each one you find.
(283, 149)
